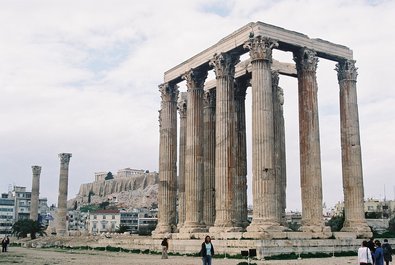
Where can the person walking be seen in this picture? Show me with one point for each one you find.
(387, 251)
(378, 254)
(7, 242)
(3, 245)
(364, 254)
(165, 247)
(207, 251)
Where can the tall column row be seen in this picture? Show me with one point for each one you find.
(212, 182)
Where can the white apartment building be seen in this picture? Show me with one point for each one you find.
(103, 221)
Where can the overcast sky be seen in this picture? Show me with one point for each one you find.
(82, 77)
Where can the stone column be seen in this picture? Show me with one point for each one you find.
(241, 212)
(209, 157)
(225, 133)
(265, 219)
(194, 152)
(351, 151)
(310, 155)
(279, 147)
(35, 193)
(61, 228)
(182, 109)
(167, 159)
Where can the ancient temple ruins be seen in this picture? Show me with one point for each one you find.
(210, 181)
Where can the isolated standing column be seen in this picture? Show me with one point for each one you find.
(35, 193)
(62, 198)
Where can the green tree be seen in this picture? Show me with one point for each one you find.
(336, 222)
(122, 229)
(109, 176)
(22, 228)
(104, 205)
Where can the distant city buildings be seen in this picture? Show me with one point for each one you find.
(104, 221)
(15, 205)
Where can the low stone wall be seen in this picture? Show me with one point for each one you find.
(264, 248)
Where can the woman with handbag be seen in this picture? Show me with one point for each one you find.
(364, 255)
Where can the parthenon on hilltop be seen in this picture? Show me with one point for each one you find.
(212, 162)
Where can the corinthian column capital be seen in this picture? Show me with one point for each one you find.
(224, 64)
(169, 92)
(209, 98)
(195, 78)
(260, 48)
(306, 60)
(182, 104)
(346, 70)
(65, 158)
(36, 170)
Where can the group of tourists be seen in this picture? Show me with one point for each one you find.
(206, 251)
(373, 252)
(4, 244)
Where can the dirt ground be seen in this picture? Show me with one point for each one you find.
(28, 256)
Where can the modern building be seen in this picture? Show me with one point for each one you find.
(77, 220)
(15, 205)
(6, 215)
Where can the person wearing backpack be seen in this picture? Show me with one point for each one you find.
(387, 251)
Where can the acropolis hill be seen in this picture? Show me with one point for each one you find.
(124, 190)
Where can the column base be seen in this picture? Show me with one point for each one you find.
(189, 228)
(360, 227)
(225, 229)
(317, 231)
(265, 230)
(163, 230)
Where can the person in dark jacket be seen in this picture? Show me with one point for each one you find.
(378, 254)
(371, 247)
(165, 247)
(387, 250)
(207, 251)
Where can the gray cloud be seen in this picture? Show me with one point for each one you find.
(82, 77)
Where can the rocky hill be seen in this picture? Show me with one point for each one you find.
(126, 192)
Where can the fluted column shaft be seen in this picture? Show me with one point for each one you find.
(351, 150)
(209, 157)
(62, 198)
(35, 193)
(264, 197)
(224, 68)
(194, 151)
(310, 155)
(279, 147)
(241, 212)
(167, 159)
(182, 109)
